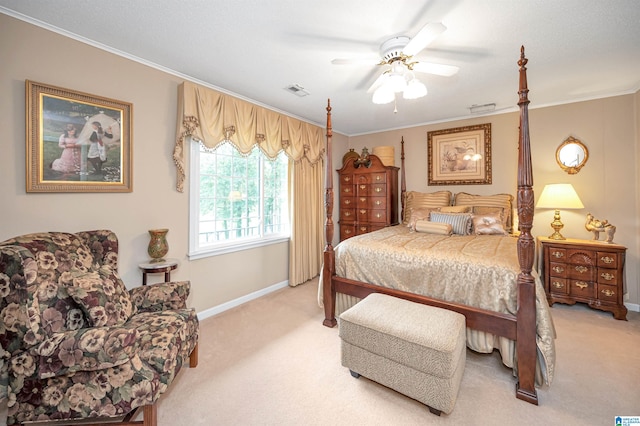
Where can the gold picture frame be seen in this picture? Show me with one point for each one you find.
(460, 156)
(76, 142)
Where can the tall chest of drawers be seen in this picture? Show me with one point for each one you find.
(368, 197)
(585, 271)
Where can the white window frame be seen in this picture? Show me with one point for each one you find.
(195, 250)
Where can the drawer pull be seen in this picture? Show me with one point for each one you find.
(581, 284)
(348, 231)
(557, 254)
(347, 178)
(347, 202)
(378, 189)
(378, 202)
(363, 211)
(607, 259)
(558, 284)
(378, 177)
(363, 199)
(347, 190)
(363, 228)
(347, 214)
(363, 186)
(558, 269)
(607, 276)
(581, 269)
(608, 292)
(378, 215)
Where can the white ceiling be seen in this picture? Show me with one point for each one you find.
(577, 49)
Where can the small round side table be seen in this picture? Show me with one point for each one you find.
(165, 266)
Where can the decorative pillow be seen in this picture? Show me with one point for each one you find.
(460, 222)
(488, 224)
(432, 200)
(102, 297)
(501, 201)
(456, 209)
(418, 214)
(434, 227)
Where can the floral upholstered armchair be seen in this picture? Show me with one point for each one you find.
(75, 343)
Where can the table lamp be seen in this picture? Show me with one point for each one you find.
(559, 196)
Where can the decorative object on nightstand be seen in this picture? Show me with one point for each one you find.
(597, 226)
(584, 271)
(556, 196)
(158, 246)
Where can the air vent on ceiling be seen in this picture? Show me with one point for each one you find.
(297, 90)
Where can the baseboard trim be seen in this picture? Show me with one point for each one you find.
(240, 300)
(633, 307)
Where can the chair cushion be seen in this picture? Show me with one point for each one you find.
(103, 297)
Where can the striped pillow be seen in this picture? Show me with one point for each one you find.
(433, 227)
(460, 222)
(482, 204)
(418, 200)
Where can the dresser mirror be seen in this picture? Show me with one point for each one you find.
(572, 155)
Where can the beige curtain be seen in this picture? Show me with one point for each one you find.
(211, 117)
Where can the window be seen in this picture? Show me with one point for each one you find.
(236, 201)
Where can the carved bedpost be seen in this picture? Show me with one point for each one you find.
(526, 325)
(328, 290)
(403, 183)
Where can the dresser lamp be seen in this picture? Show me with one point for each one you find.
(559, 196)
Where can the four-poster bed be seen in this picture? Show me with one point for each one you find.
(517, 325)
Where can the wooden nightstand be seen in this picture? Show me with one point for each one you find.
(584, 271)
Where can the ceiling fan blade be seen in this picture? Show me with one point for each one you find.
(381, 79)
(437, 69)
(356, 61)
(426, 35)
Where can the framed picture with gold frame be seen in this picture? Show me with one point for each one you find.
(76, 142)
(460, 156)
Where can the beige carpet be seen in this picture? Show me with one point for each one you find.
(271, 362)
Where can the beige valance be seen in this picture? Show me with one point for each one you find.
(212, 118)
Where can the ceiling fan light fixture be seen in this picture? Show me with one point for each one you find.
(383, 95)
(415, 89)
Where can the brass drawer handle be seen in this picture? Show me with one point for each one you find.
(581, 269)
(347, 202)
(607, 259)
(607, 276)
(363, 211)
(378, 202)
(378, 215)
(347, 190)
(558, 284)
(581, 284)
(363, 199)
(347, 214)
(347, 178)
(558, 269)
(363, 228)
(608, 292)
(348, 231)
(378, 189)
(378, 177)
(363, 186)
(557, 254)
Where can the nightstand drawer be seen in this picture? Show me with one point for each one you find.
(607, 260)
(558, 286)
(557, 253)
(608, 293)
(582, 289)
(558, 270)
(608, 276)
(581, 272)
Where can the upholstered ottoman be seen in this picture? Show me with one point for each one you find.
(415, 349)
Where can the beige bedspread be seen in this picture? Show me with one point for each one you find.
(478, 271)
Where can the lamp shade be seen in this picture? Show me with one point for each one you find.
(559, 196)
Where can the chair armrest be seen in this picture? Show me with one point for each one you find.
(161, 296)
(86, 349)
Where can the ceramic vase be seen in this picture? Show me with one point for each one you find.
(158, 246)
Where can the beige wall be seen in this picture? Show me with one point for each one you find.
(608, 184)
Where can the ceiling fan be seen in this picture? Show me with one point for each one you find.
(397, 54)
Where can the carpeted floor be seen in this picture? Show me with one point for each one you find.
(271, 362)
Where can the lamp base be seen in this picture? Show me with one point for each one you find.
(557, 225)
(557, 236)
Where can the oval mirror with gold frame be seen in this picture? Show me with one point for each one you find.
(572, 155)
